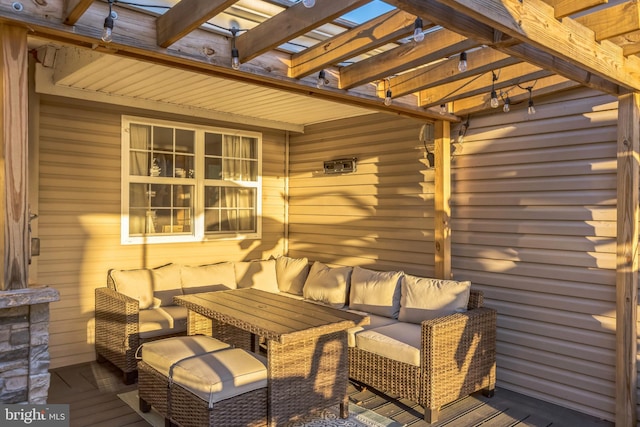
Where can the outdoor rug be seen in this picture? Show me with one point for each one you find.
(358, 416)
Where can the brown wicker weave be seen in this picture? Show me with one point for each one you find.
(458, 358)
(307, 356)
(116, 327)
(184, 408)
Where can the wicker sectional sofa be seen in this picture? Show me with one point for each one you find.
(429, 340)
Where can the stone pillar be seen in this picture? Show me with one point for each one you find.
(24, 344)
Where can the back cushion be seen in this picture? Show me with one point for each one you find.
(328, 285)
(291, 274)
(426, 298)
(259, 274)
(166, 283)
(375, 292)
(210, 277)
(135, 284)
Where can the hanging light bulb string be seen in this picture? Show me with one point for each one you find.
(531, 109)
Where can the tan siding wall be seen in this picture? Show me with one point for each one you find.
(533, 225)
(79, 216)
(381, 216)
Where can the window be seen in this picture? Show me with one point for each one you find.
(189, 183)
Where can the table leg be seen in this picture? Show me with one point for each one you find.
(307, 375)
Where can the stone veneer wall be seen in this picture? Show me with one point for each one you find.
(24, 344)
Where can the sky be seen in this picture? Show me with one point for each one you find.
(368, 11)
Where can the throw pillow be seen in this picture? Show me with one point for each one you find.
(426, 298)
(202, 278)
(135, 284)
(165, 281)
(260, 274)
(375, 292)
(291, 274)
(327, 285)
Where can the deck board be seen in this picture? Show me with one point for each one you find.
(91, 390)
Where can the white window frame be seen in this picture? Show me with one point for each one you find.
(197, 233)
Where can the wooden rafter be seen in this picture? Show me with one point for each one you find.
(569, 7)
(289, 24)
(436, 45)
(74, 9)
(480, 61)
(186, 16)
(613, 21)
(384, 29)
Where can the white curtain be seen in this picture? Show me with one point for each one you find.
(139, 165)
(238, 155)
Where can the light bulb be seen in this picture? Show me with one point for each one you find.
(494, 99)
(387, 99)
(107, 32)
(418, 35)
(507, 105)
(443, 109)
(462, 65)
(235, 59)
(309, 3)
(531, 110)
(322, 79)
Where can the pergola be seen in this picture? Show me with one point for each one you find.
(519, 49)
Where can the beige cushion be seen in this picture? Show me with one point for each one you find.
(425, 298)
(166, 283)
(291, 274)
(374, 322)
(399, 341)
(155, 322)
(223, 274)
(260, 274)
(376, 292)
(135, 284)
(221, 375)
(327, 285)
(162, 354)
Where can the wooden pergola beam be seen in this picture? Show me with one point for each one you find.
(628, 181)
(74, 9)
(569, 7)
(613, 21)
(384, 29)
(436, 45)
(14, 204)
(186, 16)
(289, 24)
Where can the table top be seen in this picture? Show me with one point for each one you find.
(270, 315)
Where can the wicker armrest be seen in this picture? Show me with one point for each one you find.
(459, 354)
(117, 328)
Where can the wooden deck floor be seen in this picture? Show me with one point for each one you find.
(91, 391)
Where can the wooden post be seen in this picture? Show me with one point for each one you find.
(627, 258)
(13, 157)
(442, 198)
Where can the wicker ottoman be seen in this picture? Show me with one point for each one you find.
(221, 386)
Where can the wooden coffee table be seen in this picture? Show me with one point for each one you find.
(306, 345)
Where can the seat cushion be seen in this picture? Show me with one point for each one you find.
(291, 274)
(426, 298)
(212, 275)
(135, 284)
(155, 322)
(259, 274)
(376, 292)
(166, 283)
(221, 375)
(375, 321)
(399, 341)
(328, 285)
(162, 354)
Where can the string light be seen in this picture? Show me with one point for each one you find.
(462, 65)
(443, 109)
(235, 56)
(418, 35)
(507, 105)
(309, 3)
(463, 131)
(494, 96)
(322, 79)
(388, 96)
(107, 32)
(531, 109)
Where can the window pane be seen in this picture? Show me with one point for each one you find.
(162, 138)
(212, 144)
(250, 148)
(213, 168)
(185, 141)
(160, 208)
